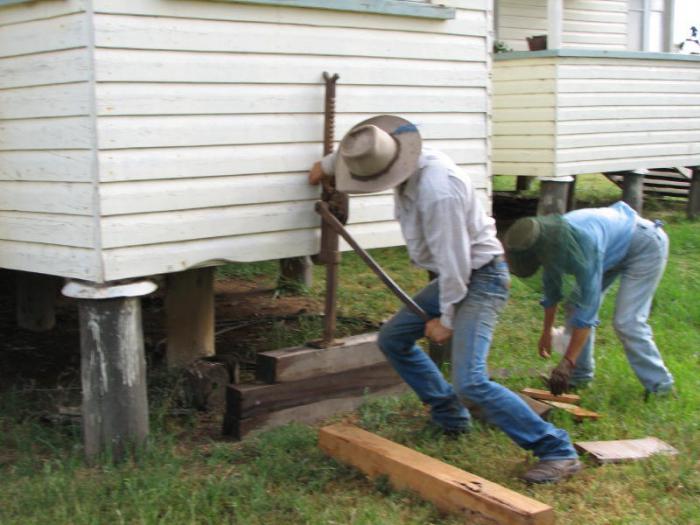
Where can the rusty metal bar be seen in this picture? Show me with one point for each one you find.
(330, 254)
(329, 218)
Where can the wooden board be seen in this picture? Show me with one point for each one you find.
(624, 449)
(538, 393)
(248, 400)
(449, 488)
(578, 412)
(301, 362)
(307, 414)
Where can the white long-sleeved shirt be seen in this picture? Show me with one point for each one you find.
(444, 224)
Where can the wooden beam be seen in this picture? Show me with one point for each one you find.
(302, 362)
(537, 393)
(578, 412)
(248, 400)
(449, 488)
(189, 307)
(306, 414)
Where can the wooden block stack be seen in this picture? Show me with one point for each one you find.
(307, 384)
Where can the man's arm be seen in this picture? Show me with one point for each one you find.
(545, 344)
(444, 227)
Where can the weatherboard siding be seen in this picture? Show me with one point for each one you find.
(594, 24)
(518, 19)
(146, 136)
(524, 103)
(607, 114)
(47, 176)
(209, 115)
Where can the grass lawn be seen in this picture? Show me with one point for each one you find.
(281, 477)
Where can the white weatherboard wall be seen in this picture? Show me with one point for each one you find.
(564, 115)
(208, 115)
(594, 24)
(47, 190)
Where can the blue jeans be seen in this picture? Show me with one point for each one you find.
(640, 272)
(475, 319)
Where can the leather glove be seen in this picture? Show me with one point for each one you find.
(559, 379)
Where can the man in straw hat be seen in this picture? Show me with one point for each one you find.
(595, 246)
(447, 232)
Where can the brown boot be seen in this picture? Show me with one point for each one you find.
(552, 471)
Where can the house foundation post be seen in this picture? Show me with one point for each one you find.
(113, 366)
(694, 194)
(633, 189)
(36, 299)
(522, 183)
(554, 195)
(189, 310)
(295, 271)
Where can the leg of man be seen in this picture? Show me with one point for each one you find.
(474, 323)
(397, 340)
(642, 270)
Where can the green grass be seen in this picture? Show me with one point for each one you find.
(281, 476)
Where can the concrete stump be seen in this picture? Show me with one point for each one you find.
(295, 271)
(113, 368)
(523, 183)
(554, 195)
(694, 195)
(189, 309)
(633, 190)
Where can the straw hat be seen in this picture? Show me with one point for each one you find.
(377, 154)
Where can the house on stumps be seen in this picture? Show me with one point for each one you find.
(593, 86)
(143, 138)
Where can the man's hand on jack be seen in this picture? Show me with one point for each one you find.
(436, 332)
(315, 174)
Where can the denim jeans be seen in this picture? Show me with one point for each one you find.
(640, 272)
(475, 319)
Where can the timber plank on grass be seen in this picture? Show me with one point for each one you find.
(301, 362)
(306, 414)
(248, 400)
(625, 449)
(546, 395)
(449, 488)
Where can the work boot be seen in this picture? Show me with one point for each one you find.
(552, 471)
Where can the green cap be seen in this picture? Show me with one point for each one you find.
(519, 242)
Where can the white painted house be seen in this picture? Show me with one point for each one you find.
(141, 137)
(150, 137)
(607, 95)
